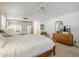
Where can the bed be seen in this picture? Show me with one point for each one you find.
(26, 46)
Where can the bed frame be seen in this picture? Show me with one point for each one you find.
(47, 53)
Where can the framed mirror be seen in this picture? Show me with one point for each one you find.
(58, 26)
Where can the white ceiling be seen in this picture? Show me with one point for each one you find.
(29, 9)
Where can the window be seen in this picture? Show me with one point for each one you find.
(17, 28)
(3, 22)
(20, 27)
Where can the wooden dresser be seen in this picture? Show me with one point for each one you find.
(63, 38)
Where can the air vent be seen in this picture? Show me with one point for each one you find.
(25, 18)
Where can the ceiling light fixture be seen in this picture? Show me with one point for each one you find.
(42, 9)
(25, 18)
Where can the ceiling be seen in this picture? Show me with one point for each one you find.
(30, 9)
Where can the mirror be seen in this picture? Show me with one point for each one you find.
(58, 26)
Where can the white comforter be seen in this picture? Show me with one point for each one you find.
(26, 46)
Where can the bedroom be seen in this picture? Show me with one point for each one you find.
(27, 20)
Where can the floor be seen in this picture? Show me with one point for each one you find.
(66, 51)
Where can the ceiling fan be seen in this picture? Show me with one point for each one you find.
(42, 8)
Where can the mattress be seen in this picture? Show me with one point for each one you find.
(26, 46)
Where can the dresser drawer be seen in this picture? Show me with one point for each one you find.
(63, 38)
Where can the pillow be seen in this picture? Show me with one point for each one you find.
(1, 36)
(1, 43)
(6, 35)
(10, 33)
(3, 40)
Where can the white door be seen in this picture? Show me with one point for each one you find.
(29, 29)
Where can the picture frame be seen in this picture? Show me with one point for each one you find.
(42, 26)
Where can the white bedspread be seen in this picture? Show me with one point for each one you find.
(26, 46)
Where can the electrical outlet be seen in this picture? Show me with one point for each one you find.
(75, 42)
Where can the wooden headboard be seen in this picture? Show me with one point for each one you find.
(44, 33)
(1, 31)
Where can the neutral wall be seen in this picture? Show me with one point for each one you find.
(0, 21)
(71, 19)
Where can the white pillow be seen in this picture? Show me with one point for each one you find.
(1, 36)
(3, 40)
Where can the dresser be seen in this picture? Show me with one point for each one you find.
(63, 38)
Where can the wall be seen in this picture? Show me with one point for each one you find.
(69, 19)
(37, 22)
(0, 21)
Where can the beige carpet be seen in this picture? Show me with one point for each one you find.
(66, 51)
